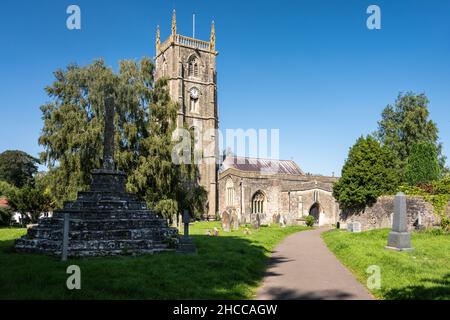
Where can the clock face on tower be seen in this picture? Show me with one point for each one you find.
(194, 93)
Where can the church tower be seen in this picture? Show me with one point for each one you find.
(190, 66)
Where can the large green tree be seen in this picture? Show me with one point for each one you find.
(30, 201)
(17, 167)
(407, 123)
(145, 119)
(370, 171)
(422, 165)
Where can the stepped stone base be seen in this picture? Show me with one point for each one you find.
(104, 221)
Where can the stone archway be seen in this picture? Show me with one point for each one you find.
(315, 212)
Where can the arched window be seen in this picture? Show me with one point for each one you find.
(193, 67)
(230, 193)
(258, 202)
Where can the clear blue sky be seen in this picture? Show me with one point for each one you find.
(310, 68)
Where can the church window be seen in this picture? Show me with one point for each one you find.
(230, 193)
(193, 67)
(258, 202)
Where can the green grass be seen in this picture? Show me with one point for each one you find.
(421, 274)
(230, 266)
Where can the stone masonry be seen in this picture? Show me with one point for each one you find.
(380, 214)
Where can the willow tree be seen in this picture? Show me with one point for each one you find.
(145, 119)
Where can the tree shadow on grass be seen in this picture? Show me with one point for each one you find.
(224, 268)
(426, 289)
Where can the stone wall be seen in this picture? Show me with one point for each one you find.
(379, 215)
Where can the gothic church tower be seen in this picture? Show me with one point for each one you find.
(190, 66)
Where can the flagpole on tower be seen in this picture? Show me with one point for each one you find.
(193, 25)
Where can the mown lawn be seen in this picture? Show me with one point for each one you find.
(421, 274)
(230, 266)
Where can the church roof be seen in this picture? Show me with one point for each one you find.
(261, 165)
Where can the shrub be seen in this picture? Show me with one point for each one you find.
(310, 220)
(445, 224)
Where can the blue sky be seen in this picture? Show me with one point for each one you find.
(310, 68)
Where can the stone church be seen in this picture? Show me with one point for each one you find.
(269, 189)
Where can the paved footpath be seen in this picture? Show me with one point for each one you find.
(302, 268)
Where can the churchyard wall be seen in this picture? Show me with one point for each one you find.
(420, 214)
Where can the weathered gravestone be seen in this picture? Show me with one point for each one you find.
(282, 221)
(234, 221)
(356, 227)
(399, 238)
(276, 218)
(226, 221)
(106, 220)
(350, 226)
(256, 221)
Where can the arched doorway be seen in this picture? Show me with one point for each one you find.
(315, 211)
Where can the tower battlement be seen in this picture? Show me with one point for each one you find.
(190, 42)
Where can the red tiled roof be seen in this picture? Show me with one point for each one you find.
(262, 165)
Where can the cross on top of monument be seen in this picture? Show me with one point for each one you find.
(108, 137)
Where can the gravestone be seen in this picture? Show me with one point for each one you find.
(356, 227)
(276, 218)
(186, 244)
(104, 221)
(282, 221)
(256, 221)
(350, 226)
(234, 221)
(226, 221)
(399, 238)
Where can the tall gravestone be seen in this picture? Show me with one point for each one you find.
(106, 220)
(234, 221)
(399, 238)
(226, 221)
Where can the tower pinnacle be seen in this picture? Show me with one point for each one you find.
(174, 23)
(212, 41)
(158, 38)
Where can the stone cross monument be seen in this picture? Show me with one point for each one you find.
(106, 220)
(399, 238)
(108, 143)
